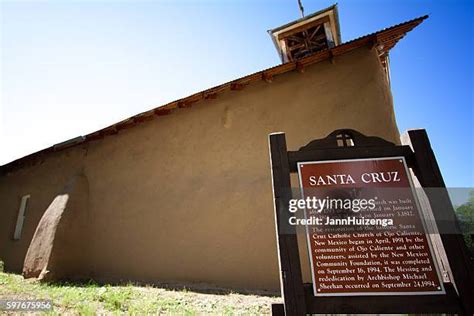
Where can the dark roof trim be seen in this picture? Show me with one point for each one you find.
(382, 40)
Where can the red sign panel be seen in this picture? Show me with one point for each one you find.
(366, 235)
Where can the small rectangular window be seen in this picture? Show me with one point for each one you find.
(21, 217)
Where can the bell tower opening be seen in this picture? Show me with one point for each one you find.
(305, 36)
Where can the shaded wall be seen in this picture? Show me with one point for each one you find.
(60, 244)
(187, 196)
(43, 181)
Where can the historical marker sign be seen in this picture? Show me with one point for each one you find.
(367, 236)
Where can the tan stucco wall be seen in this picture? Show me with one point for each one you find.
(59, 248)
(187, 196)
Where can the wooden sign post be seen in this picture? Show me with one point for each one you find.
(375, 271)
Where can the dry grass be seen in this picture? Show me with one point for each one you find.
(92, 298)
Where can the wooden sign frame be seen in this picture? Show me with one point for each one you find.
(350, 144)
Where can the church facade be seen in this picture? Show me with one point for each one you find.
(182, 193)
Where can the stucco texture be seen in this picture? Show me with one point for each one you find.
(187, 197)
(59, 244)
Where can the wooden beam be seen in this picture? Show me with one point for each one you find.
(300, 67)
(94, 136)
(278, 309)
(329, 35)
(210, 96)
(112, 130)
(125, 124)
(314, 32)
(290, 268)
(303, 27)
(372, 42)
(187, 103)
(332, 58)
(143, 118)
(267, 77)
(183, 104)
(161, 112)
(429, 176)
(237, 86)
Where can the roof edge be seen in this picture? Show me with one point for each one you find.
(281, 27)
(390, 35)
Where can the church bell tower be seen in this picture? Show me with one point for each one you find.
(305, 36)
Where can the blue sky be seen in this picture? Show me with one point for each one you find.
(71, 67)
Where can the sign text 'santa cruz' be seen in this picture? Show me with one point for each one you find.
(372, 177)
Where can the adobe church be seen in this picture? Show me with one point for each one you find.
(183, 193)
